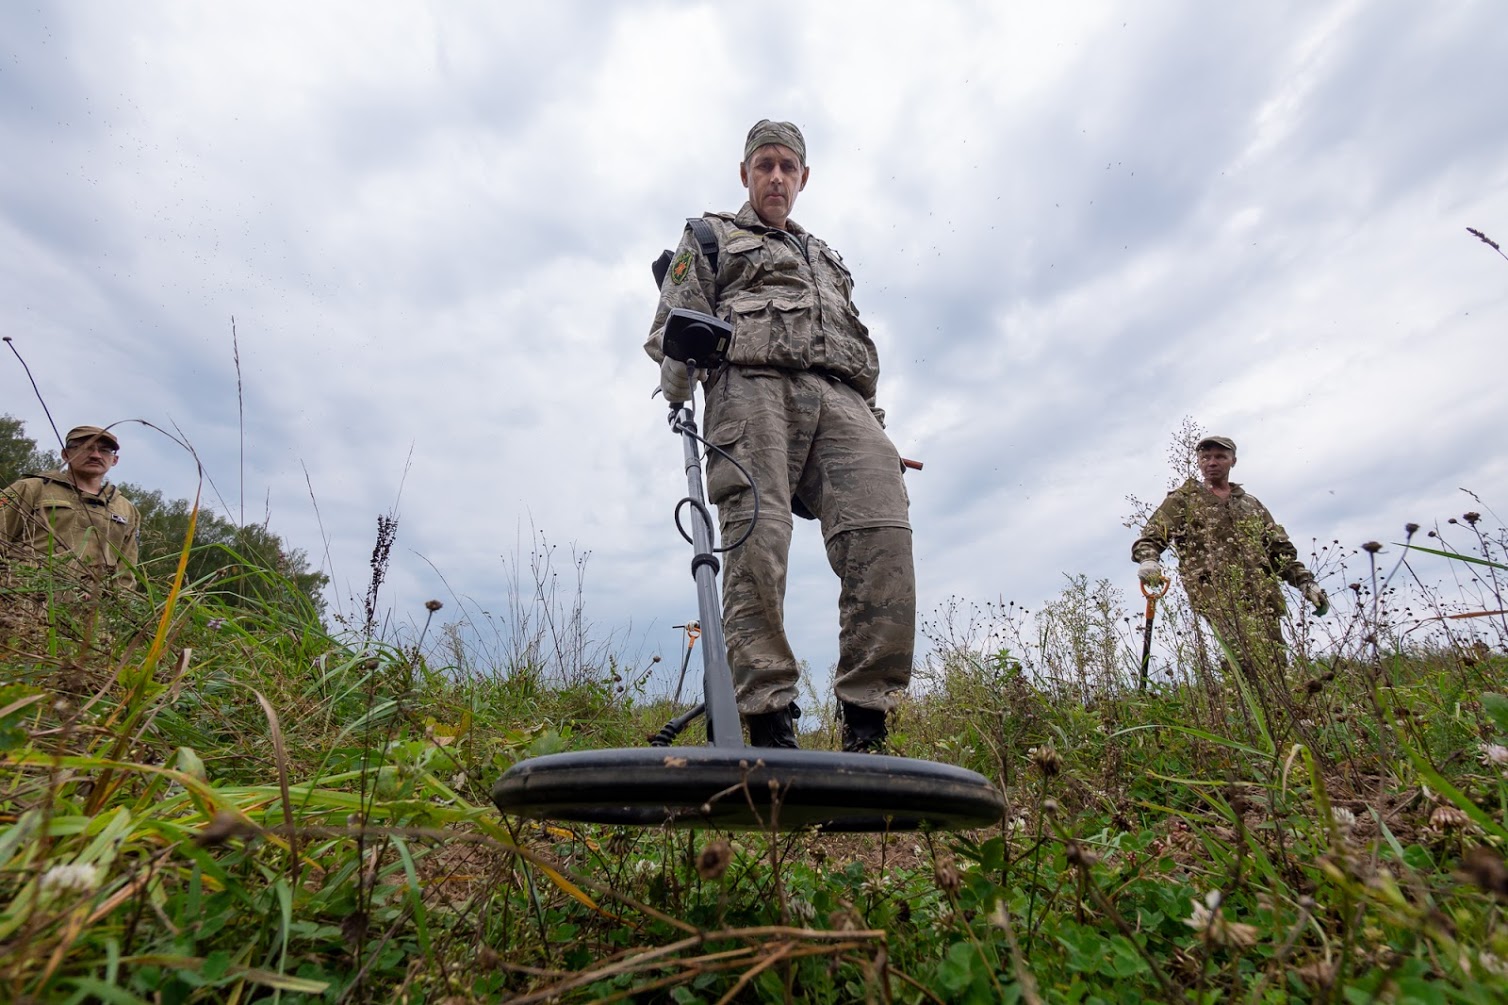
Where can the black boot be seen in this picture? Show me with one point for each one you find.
(863, 729)
(774, 729)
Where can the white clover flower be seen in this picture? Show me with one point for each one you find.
(77, 878)
(1494, 755)
(1493, 964)
(801, 909)
(1207, 920)
(1205, 912)
(998, 916)
(1344, 818)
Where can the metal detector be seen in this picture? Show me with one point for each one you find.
(726, 784)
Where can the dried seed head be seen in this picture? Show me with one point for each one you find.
(1411, 529)
(1320, 973)
(1077, 855)
(1484, 867)
(714, 860)
(1314, 686)
(1047, 760)
(225, 826)
(1050, 807)
(946, 874)
(1448, 818)
(1372, 547)
(432, 606)
(1471, 518)
(656, 658)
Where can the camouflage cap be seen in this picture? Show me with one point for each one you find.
(91, 433)
(766, 132)
(1212, 442)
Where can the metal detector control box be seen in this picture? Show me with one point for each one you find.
(694, 337)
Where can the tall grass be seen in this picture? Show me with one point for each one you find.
(207, 798)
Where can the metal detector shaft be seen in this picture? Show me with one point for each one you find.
(723, 729)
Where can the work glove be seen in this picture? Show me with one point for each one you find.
(1318, 598)
(673, 382)
(1150, 572)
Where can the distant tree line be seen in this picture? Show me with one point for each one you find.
(242, 564)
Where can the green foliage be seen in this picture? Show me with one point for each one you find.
(19, 453)
(271, 812)
(247, 565)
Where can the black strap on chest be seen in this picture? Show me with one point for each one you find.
(705, 237)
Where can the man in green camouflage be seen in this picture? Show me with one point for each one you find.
(1231, 556)
(73, 522)
(796, 406)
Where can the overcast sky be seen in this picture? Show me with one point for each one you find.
(1070, 225)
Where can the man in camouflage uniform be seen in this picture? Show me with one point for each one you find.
(1231, 555)
(796, 406)
(72, 522)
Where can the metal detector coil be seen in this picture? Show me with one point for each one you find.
(748, 788)
(727, 784)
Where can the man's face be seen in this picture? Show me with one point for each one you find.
(773, 175)
(92, 457)
(1215, 464)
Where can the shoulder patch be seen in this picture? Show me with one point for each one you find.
(740, 232)
(680, 268)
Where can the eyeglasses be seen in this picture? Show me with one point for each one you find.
(92, 446)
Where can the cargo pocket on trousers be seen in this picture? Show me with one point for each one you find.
(723, 476)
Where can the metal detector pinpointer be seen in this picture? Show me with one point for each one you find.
(693, 630)
(726, 784)
(1153, 596)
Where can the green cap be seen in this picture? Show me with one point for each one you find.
(78, 433)
(1213, 442)
(766, 132)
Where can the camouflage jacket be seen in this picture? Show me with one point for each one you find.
(1222, 544)
(45, 519)
(786, 293)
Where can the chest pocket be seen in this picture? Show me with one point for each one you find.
(60, 513)
(743, 244)
(771, 330)
(839, 277)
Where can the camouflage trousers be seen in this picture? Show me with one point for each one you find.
(805, 438)
(1252, 632)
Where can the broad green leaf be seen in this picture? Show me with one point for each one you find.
(1496, 707)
